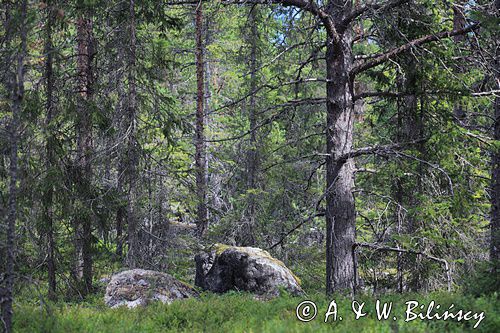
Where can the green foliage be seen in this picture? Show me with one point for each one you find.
(235, 312)
(431, 197)
(483, 281)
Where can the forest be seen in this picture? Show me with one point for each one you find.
(233, 165)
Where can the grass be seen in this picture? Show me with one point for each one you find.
(239, 312)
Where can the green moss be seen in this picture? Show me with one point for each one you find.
(219, 248)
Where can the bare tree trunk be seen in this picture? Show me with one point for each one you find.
(213, 181)
(246, 233)
(406, 123)
(49, 149)
(200, 154)
(459, 22)
(495, 192)
(120, 111)
(495, 167)
(248, 237)
(83, 214)
(398, 216)
(420, 282)
(340, 209)
(133, 244)
(17, 94)
(120, 214)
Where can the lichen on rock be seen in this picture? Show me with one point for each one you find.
(138, 287)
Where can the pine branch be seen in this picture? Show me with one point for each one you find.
(357, 12)
(403, 48)
(376, 149)
(463, 93)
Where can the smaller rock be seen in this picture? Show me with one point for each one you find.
(138, 287)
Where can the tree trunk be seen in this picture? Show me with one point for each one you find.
(120, 113)
(253, 156)
(200, 154)
(340, 210)
(49, 149)
(213, 181)
(495, 167)
(120, 214)
(83, 214)
(16, 86)
(133, 244)
(459, 22)
(495, 192)
(407, 122)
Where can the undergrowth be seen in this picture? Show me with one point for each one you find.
(240, 312)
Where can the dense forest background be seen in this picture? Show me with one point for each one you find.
(357, 141)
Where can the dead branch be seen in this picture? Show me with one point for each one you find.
(403, 48)
(310, 218)
(376, 149)
(463, 93)
(372, 5)
(444, 262)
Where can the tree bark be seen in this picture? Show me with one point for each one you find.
(495, 193)
(495, 167)
(459, 22)
(248, 238)
(120, 115)
(120, 213)
(50, 158)
(16, 86)
(407, 121)
(200, 154)
(340, 209)
(132, 227)
(83, 214)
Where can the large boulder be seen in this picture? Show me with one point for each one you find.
(244, 269)
(137, 287)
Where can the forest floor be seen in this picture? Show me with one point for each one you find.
(239, 312)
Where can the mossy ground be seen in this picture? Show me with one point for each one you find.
(237, 312)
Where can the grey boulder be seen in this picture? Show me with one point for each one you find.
(138, 287)
(244, 269)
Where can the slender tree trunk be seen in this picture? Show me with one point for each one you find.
(83, 214)
(495, 192)
(340, 209)
(120, 215)
(459, 22)
(213, 182)
(398, 216)
(132, 227)
(407, 120)
(200, 154)
(49, 149)
(248, 238)
(120, 112)
(420, 282)
(495, 167)
(17, 94)
(399, 183)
